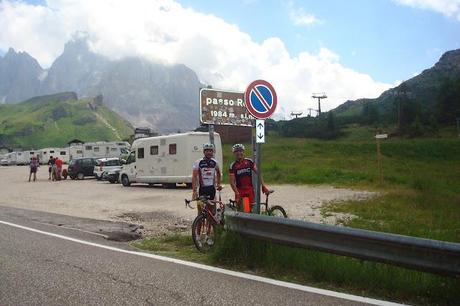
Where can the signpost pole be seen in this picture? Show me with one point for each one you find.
(379, 161)
(211, 133)
(378, 138)
(259, 176)
(253, 142)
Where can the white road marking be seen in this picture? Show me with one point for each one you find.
(339, 295)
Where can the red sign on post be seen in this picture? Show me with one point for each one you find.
(260, 99)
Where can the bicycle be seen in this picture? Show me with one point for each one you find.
(275, 211)
(206, 223)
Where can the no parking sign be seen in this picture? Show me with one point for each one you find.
(260, 99)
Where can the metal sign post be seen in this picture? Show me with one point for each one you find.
(211, 133)
(261, 100)
(260, 138)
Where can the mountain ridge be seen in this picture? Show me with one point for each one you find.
(424, 88)
(145, 92)
(52, 120)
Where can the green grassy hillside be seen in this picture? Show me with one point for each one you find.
(54, 120)
(421, 178)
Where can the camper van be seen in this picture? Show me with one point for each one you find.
(63, 154)
(166, 159)
(102, 149)
(75, 151)
(10, 159)
(22, 157)
(45, 154)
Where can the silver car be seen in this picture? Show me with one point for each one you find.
(105, 165)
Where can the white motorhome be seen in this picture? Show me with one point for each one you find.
(166, 159)
(45, 154)
(75, 151)
(10, 159)
(22, 157)
(102, 149)
(63, 154)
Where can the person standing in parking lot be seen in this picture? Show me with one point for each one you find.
(50, 168)
(58, 163)
(33, 167)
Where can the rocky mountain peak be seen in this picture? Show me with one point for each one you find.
(449, 60)
(19, 76)
(146, 92)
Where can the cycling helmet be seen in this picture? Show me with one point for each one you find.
(208, 146)
(237, 147)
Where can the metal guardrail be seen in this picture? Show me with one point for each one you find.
(416, 253)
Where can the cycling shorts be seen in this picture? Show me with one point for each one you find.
(247, 193)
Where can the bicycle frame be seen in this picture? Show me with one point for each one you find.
(206, 211)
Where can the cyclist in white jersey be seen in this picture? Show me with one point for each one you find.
(206, 175)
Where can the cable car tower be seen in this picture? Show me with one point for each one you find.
(296, 114)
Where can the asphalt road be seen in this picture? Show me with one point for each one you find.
(37, 268)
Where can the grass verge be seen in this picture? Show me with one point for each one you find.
(313, 268)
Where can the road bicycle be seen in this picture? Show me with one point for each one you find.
(206, 224)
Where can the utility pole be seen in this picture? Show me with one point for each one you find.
(309, 111)
(319, 96)
(402, 94)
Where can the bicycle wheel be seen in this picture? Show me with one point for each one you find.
(203, 233)
(277, 211)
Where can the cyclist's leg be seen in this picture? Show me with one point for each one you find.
(210, 192)
(252, 201)
(212, 208)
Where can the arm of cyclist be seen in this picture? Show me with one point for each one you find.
(218, 179)
(233, 185)
(194, 184)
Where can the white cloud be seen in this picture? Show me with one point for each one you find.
(449, 8)
(299, 16)
(163, 30)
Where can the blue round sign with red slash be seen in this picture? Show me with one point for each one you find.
(260, 99)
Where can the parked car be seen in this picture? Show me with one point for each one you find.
(79, 168)
(106, 164)
(113, 176)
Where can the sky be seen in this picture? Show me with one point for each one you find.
(348, 49)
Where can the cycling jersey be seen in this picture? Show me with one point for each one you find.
(243, 172)
(207, 169)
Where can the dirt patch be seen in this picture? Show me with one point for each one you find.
(156, 223)
(158, 210)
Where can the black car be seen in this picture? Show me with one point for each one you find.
(81, 167)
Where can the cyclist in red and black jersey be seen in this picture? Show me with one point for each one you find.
(241, 175)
